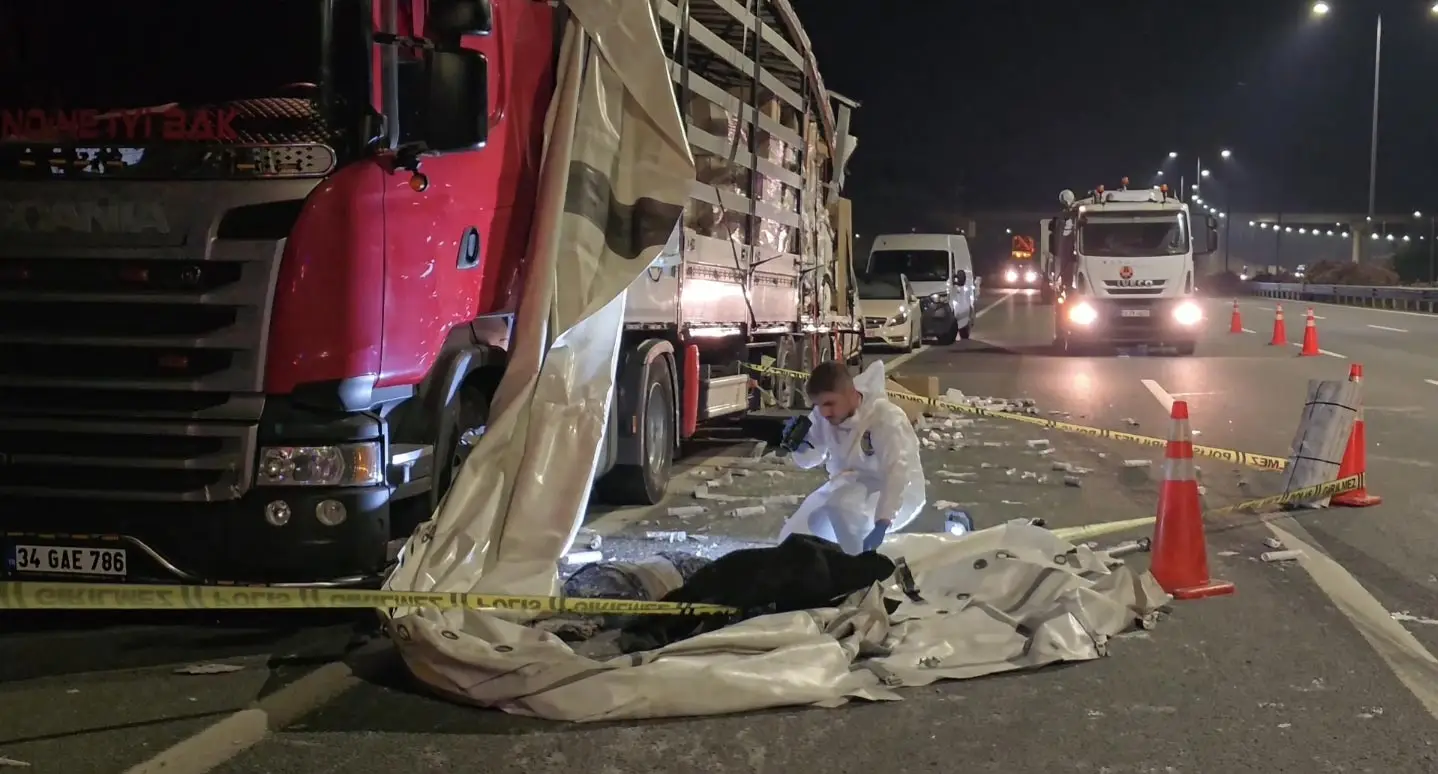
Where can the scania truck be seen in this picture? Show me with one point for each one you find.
(259, 263)
(1125, 271)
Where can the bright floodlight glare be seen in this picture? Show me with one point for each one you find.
(1160, 173)
(1204, 173)
(1226, 154)
(1250, 223)
(1173, 154)
(1417, 214)
(1321, 8)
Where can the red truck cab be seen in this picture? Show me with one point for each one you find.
(257, 267)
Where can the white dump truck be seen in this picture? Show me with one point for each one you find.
(1125, 272)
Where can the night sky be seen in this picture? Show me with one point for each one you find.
(993, 104)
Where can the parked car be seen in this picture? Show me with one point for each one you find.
(891, 311)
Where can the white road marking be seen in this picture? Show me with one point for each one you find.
(1433, 382)
(1386, 328)
(1159, 394)
(1322, 351)
(1290, 311)
(1411, 663)
(218, 743)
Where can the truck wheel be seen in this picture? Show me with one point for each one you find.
(647, 482)
(461, 425)
(951, 335)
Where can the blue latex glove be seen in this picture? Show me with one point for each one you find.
(876, 538)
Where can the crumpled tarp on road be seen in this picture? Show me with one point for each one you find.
(1007, 598)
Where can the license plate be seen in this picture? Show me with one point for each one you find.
(68, 560)
(1133, 313)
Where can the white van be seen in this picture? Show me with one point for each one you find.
(941, 272)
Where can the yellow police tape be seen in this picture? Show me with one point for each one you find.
(1304, 495)
(30, 595)
(1231, 456)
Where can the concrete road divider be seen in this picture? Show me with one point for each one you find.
(1231, 456)
(1304, 495)
(30, 595)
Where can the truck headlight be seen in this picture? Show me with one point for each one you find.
(350, 464)
(1031, 277)
(1011, 276)
(1187, 313)
(1082, 314)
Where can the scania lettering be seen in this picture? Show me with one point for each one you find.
(259, 264)
(1124, 270)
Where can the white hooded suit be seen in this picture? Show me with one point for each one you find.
(874, 470)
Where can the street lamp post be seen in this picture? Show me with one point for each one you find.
(1321, 8)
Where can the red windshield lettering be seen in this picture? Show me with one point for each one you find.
(175, 125)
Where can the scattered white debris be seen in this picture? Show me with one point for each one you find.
(1137, 463)
(13, 763)
(986, 465)
(782, 499)
(1063, 467)
(1228, 553)
(590, 539)
(945, 505)
(1273, 543)
(1280, 556)
(1039, 443)
(1046, 452)
(993, 444)
(1406, 617)
(1073, 481)
(724, 480)
(1011, 502)
(758, 450)
(748, 510)
(209, 669)
(703, 493)
(1130, 421)
(684, 512)
(1202, 490)
(667, 536)
(583, 557)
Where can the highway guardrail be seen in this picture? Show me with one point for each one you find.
(1378, 296)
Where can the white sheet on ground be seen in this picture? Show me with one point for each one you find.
(1001, 599)
(613, 123)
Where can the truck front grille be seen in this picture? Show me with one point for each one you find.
(133, 375)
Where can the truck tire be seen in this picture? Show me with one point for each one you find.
(459, 425)
(647, 482)
(951, 335)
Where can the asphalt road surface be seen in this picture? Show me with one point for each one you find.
(1321, 666)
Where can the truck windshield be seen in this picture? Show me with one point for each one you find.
(881, 287)
(67, 58)
(1133, 237)
(919, 265)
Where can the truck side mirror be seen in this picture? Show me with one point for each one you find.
(448, 21)
(457, 111)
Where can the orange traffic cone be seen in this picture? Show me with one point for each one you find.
(1280, 333)
(1235, 323)
(1180, 553)
(1310, 337)
(1355, 457)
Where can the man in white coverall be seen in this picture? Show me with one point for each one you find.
(876, 480)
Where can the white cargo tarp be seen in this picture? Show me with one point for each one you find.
(1006, 598)
(614, 143)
